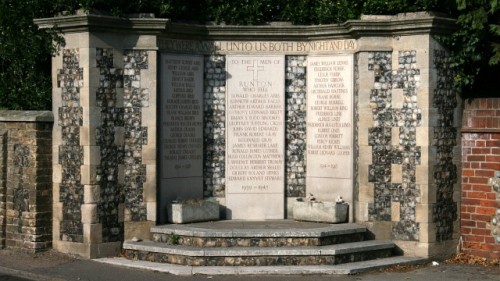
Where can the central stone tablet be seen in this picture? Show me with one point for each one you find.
(255, 160)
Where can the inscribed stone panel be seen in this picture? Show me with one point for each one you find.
(255, 137)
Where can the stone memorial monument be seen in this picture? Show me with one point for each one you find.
(148, 112)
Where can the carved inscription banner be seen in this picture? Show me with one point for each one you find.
(264, 47)
(255, 116)
(330, 117)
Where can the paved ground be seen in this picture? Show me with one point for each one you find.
(16, 266)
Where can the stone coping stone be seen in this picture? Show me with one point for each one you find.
(257, 229)
(185, 270)
(26, 116)
(329, 250)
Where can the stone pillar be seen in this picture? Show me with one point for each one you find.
(104, 100)
(25, 180)
(409, 155)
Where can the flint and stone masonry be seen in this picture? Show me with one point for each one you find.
(254, 117)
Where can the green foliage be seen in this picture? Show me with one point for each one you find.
(25, 51)
(475, 44)
(24, 55)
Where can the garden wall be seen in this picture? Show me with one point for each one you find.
(26, 180)
(480, 209)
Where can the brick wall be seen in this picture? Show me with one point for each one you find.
(26, 180)
(480, 209)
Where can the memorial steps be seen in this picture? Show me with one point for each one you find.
(281, 245)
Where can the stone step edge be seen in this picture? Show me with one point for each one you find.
(346, 268)
(184, 230)
(328, 250)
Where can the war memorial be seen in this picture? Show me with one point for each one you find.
(311, 138)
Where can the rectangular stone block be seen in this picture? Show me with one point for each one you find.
(428, 193)
(56, 173)
(255, 137)
(92, 233)
(193, 211)
(248, 210)
(89, 175)
(87, 135)
(89, 213)
(91, 194)
(361, 211)
(151, 211)
(177, 189)
(58, 211)
(395, 211)
(121, 212)
(396, 173)
(138, 229)
(427, 232)
(423, 213)
(91, 155)
(328, 212)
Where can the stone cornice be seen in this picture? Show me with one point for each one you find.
(368, 26)
(383, 26)
(81, 23)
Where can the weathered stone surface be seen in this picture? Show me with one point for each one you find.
(193, 211)
(329, 212)
(255, 138)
